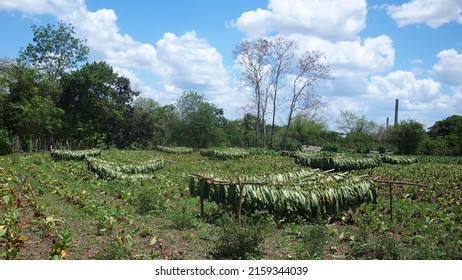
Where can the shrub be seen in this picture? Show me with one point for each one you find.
(330, 148)
(235, 242)
(314, 239)
(182, 217)
(150, 200)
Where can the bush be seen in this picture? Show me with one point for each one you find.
(238, 243)
(6, 146)
(381, 246)
(182, 217)
(151, 201)
(330, 148)
(314, 239)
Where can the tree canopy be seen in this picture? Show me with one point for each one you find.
(55, 50)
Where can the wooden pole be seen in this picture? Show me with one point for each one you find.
(390, 190)
(201, 192)
(239, 203)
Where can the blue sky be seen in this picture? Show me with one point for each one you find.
(378, 51)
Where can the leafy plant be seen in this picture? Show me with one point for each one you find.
(235, 242)
(61, 242)
(313, 242)
(150, 201)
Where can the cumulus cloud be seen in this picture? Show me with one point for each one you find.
(449, 67)
(190, 62)
(179, 63)
(350, 58)
(403, 85)
(430, 12)
(334, 20)
(36, 7)
(328, 26)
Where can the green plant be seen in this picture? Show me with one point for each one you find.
(10, 230)
(112, 251)
(313, 241)
(381, 245)
(106, 222)
(183, 218)
(150, 201)
(61, 242)
(236, 242)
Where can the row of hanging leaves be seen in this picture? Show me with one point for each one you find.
(74, 155)
(224, 153)
(175, 150)
(306, 193)
(338, 163)
(398, 159)
(111, 170)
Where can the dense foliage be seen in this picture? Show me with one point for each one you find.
(51, 97)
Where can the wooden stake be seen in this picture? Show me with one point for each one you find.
(201, 190)
(239, 204)
(390, 190)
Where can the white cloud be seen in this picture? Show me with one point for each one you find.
(403, 85)
(449, 67)
(420, 99)
(178, 63)
(328, 26)
(333, 20)
(350, 58)
(36, 7)
(431, 12)
(189, 62)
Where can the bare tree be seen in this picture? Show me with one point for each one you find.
(309, 73)
(267, 66)
(283, 55)
(254, 57)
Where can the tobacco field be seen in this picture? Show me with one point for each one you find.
(180, 203)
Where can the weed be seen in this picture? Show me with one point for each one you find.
(313, 241)
(150, 201)
(235, 242)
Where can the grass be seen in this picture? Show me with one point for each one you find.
(157, 219)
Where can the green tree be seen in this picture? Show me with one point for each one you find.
(199, 120)
(55, 51)
(153, 124)
(360, 133)
(97, 105)
(306, 131)
(29, 113)
(407, 136)
(447, 134)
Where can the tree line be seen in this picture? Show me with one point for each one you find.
(52, 96)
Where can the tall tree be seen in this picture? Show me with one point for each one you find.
(56, 50)
(268, 65)
(199, 120)
(28, 111)
(282, 58)
(307, 131)
(349, 123)
(96, 102)
(407, 136)
(153, 124)
(254, 58)
(309, 72)
(448, 132)
(360, 133)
